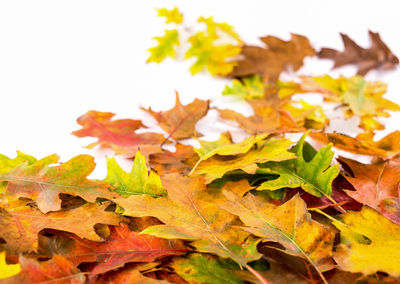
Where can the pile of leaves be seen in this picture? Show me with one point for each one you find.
(260, 210)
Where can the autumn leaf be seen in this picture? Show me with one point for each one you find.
(311, 170)
(370, 254)
(203, 268)
(188, 214)
(182, 160)
(247, 88)
(171, 16)
(218, 165)
(131, 276)
(117, 134)
(388, 147)
(289, 224)
(56, 270)
(180, 121)
(19, 227)
(121, 247)
(43, 183)
(306, 115)
(7, 270)
(378, 55)
(165, 47)
(375, 184)
(275, 57)
(358, 96)
(138, 181)
(213, 48)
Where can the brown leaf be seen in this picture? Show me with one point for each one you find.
(378, 55)
(117, 134)
(57, 270)
(387, 147)
(376, 185)
(122, 246)
(19, 227)
(180, 121)
(275, 57)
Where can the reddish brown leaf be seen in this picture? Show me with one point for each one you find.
(122, 246)
(19, 227)
(378, 55)
(275, 57)
(117, 134)
(57, 270)
(180, 121)
(376, 186)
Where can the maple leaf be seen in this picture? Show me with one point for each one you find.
(277, 55)
(7, 270)
(375, 184)
(180, 121)
(138, 181)
(171, 16)
(213, 48)
(366, 59)
(203, 268)
(165, 46)
(182, 160)
(19, 227)
(289, 224)
(366, 237)
(247, 88)
(43, 183)
(387, 147)
(188, 212)
(56, 270)
(269, 150)
(117, 134)
(311, 170)
(121, 247)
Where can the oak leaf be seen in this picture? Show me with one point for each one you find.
(138, 181)
(275, 57)
(56, 270)
(172, 16)
(165, 47)
(180, 121)
(386, 148)
(121, 247)
(190, 213)
(289, 224)
(311, 170)
(19, 227)
(376, 185)
(247, 88)
(43, 183)
(261, 152)
(378, 55)
(203, 268)
(117, 134)
(7, 270)
(366, 237)
(180, 161)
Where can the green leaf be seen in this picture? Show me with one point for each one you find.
(248, 88)
(204, 268)
(311, 171)
(165, 47)
(138, 181)
(171, 16)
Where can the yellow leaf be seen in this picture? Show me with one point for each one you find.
(380, 253)
(165, 46)
(171, 16)
(7, 270)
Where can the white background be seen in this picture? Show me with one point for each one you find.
(59, 59)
